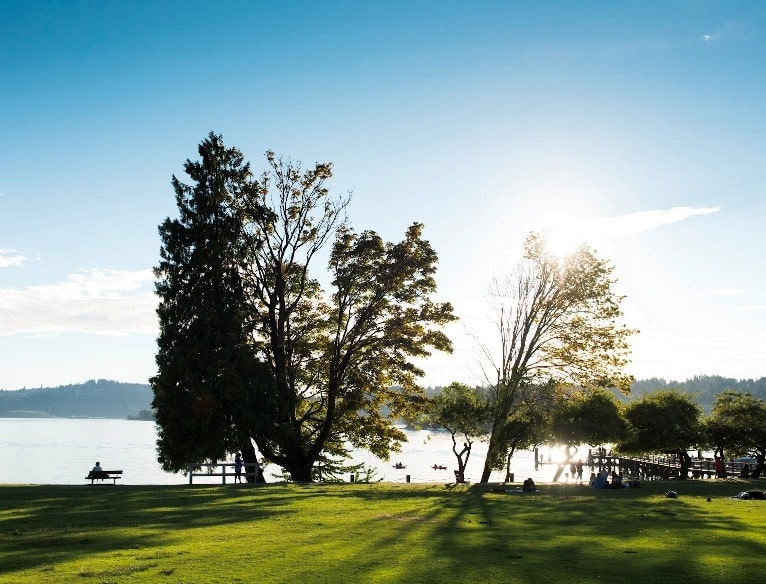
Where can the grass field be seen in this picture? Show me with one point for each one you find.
(381, 533)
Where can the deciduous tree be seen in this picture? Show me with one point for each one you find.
(338, 359)
(586, 417)
(664, 421)
(558, 321)
(737, 423)
(464, 412)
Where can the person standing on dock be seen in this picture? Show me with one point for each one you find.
(718, 466)
(238, 468)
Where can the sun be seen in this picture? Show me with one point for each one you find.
(564, 233)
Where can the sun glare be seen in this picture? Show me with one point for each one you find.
(564, 233)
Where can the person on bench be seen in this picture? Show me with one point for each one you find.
(98, 472)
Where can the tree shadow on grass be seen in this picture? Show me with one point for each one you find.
(606, 536)
(394, 533)
(44, 525)
(438, 535)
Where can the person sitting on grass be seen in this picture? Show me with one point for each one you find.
(528, 486)
(601, 482)
(616, 481)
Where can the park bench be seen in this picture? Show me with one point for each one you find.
(104, 475)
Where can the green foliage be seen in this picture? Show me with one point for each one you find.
(465, 413)
(664, 421)
(528, 423)
(460, 409)
(203, 390)
(252, 347)
(590, 417)
(558, 323)
(737, 423)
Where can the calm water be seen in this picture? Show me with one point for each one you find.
(62, 451)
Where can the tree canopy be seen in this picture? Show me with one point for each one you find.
(664, 421)
(464, 412)
(737, 423)
(254, 349)
(589, 417)
(203, 389)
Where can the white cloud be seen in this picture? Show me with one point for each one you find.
(10, 257)
(109, 302)
(565, 233)
(641, 221)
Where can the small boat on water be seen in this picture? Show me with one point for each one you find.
(399, 465)
(439, 467)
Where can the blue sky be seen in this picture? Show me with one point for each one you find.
(637, 126)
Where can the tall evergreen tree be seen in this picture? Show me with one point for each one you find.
(204, 388)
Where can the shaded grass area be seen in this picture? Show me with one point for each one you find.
(381, 533)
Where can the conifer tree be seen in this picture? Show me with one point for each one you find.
(203, 391)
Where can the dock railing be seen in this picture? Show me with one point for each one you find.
(219, 469)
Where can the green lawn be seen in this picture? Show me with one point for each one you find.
(381, 533)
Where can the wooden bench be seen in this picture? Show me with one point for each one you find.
(104, 475)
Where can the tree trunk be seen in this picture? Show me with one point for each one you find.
(249, 458)
(567, 462)
(491, 455)
(508, 464)
(686, 463)
(300, 470)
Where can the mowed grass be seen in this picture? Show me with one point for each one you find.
(381, 533)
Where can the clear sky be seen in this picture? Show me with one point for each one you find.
(639, 126)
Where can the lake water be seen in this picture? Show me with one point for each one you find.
(62, 451)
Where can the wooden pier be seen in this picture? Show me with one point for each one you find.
(659, 467)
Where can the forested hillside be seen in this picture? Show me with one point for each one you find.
(93, 399)
(703, 387)
(104, 398)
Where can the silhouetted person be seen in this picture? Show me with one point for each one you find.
(238, 468)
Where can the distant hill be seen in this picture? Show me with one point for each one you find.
(104, 398)
(100, 398)
(703, 387)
